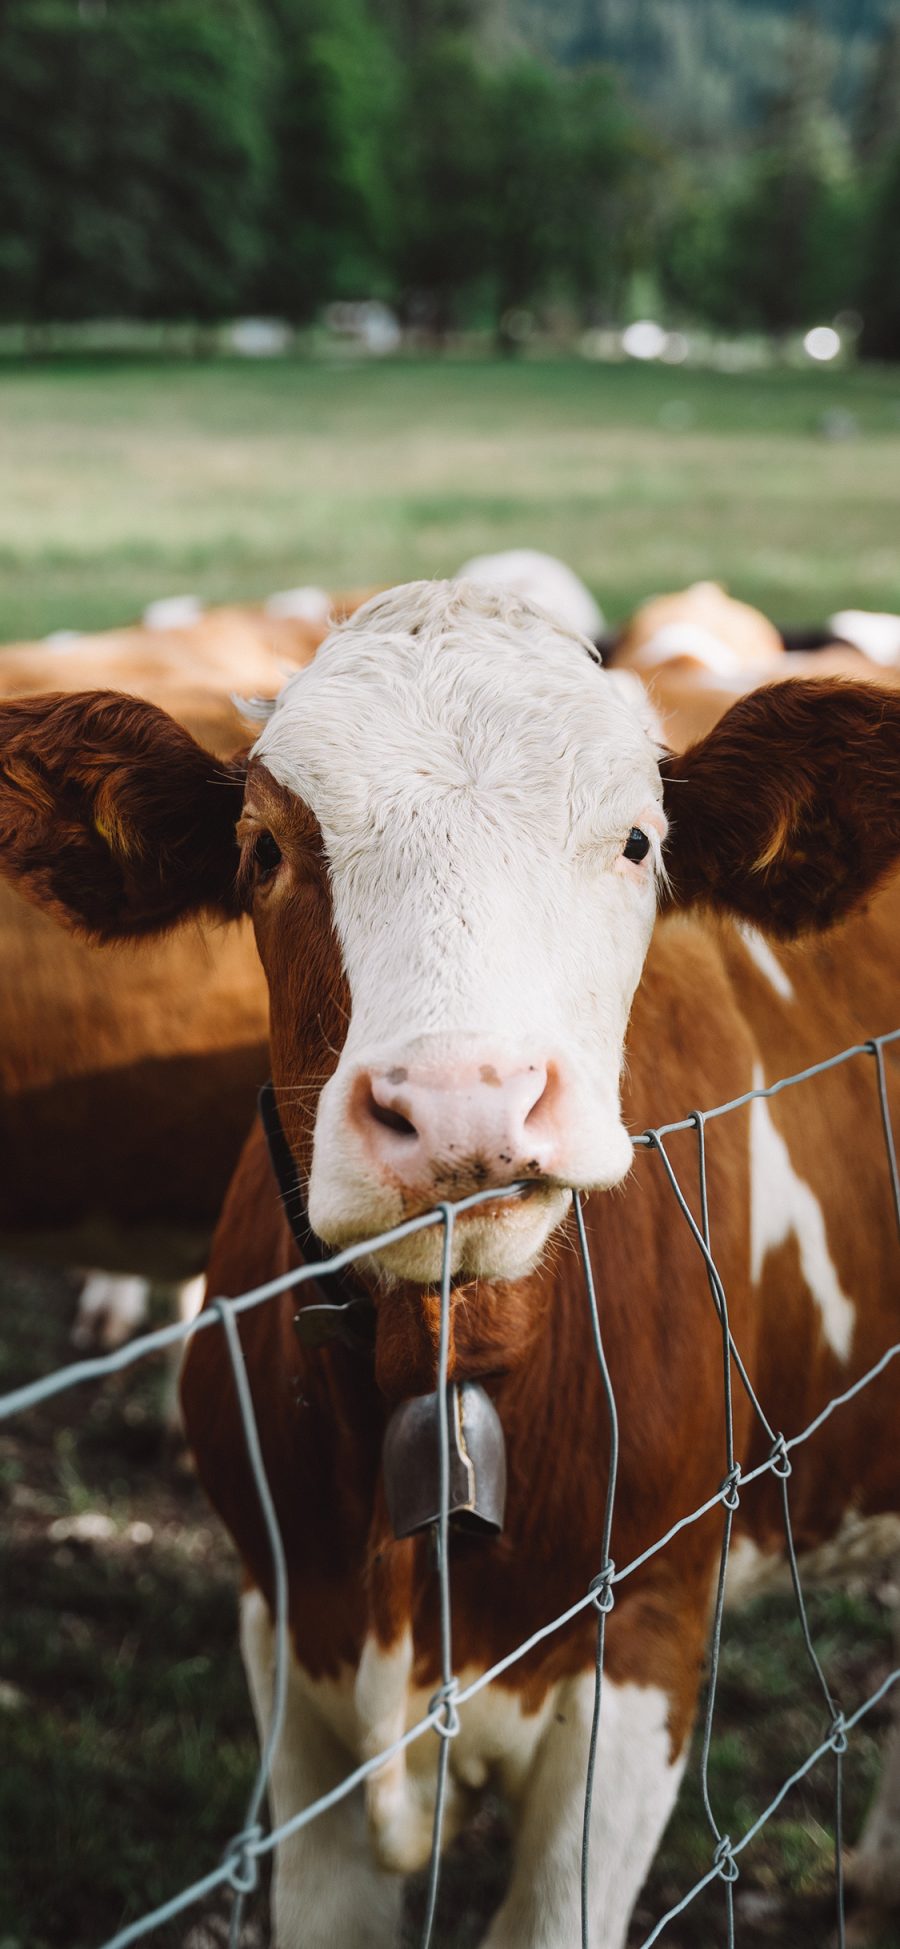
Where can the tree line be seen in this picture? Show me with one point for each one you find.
(199, 159)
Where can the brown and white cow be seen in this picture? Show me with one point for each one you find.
(698, 649)
(470, 872)
(156, 1057)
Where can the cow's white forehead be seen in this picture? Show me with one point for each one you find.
(441, 688)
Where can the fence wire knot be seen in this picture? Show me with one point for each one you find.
(241, 1863)
(723, 1860)
(444, 1701)
(779, 1459)
(730, 1490)
(603, 1596)
(838, 1741)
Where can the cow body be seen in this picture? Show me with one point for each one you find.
(812, 1283)
(158, 1057)
(453, 843)
(697, 649)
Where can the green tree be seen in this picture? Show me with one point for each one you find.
(880, 284)
(877, 119)
(331, 228)
(527, 185)
(772, 242)
(615, 171)
(133, 158)
(443, 161)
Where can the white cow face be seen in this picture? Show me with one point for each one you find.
(486, 808)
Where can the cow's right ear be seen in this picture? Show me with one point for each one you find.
(112, 817)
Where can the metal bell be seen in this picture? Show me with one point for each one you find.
(412, 1468)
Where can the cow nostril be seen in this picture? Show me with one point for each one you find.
(391, 1119)
(546, 1088)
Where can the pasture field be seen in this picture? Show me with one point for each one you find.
(126, 1742)
(121, 482)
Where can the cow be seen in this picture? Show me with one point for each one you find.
(697, 649)
(159, 1056)
(543, 580)
(503, 930)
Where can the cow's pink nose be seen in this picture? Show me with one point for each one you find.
(457, 1130)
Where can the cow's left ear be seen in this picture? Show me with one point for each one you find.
(112, 818)
(788, 813)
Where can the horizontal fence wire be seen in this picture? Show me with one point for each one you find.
(239, 1867)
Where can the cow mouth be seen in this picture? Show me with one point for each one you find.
(499, 1205)
(502, 1236)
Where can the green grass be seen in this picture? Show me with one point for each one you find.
(123, 481)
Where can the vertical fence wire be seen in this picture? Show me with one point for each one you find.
(602, 1590)
(723, 1857)
(655, 1141)
(244, 1870)
(877, 1048)
(448, 1725)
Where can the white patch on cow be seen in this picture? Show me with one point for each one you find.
(475, 776)
(328, 1874)
(306, 605)
(187, 1299)
(876, 634)
(173, 612)
(763, 956)
(400, 1819)
(541, 579)
(676, 640)
(63, 640)
(635, 1788)
(781, 1204)
(327, 1888)
(111, 1306)
(369, 1710)
(752, 1572)
(189, 1296)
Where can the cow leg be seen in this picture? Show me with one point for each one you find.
(326, 1888)
(635, 1785)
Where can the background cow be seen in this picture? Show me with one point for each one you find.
(697, 649)
(453, 837)
(159, 1057)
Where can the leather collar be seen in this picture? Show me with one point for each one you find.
(336, 1309)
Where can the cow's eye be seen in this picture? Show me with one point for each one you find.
(266, 855)
(637, 845)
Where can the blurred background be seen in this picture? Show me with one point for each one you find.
(342, 292)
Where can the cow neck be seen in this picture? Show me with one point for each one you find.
(340, 1311)
(477, 1453)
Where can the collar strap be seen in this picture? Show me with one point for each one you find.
(411, 1461)
(336, 1310)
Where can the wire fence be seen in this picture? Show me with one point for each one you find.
(239, 1868)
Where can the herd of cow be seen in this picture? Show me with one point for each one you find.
(430, 860)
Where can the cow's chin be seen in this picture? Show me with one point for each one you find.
(503, 1239)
